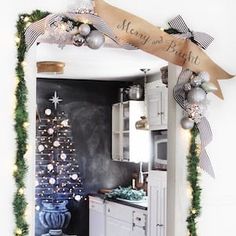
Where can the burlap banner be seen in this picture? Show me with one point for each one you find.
(149, 38)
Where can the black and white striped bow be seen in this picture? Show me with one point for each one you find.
(203, 126)
(202, 39)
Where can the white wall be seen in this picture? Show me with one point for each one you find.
(215, 17)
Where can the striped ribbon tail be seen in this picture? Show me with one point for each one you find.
(33, 31)
(205, 137)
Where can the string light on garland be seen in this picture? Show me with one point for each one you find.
(21, 122)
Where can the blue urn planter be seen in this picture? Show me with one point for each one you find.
(55, 216)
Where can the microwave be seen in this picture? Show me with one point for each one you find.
(160, 143)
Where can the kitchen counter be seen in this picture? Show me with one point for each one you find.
(140, 205)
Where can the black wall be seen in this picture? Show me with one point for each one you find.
(88, 105)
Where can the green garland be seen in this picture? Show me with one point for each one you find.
(193, 179)
(21, 119)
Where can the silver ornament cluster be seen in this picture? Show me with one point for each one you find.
(196, 89)
(63, 30)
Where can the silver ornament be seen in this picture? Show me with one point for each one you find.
(187, 87)
(205, 76)
(50, 131)
(209, 87)
(84, 29)
(187, 123)
(95, 39)
(78, 40)
(48, 112)
(196, 95)
(196, 81)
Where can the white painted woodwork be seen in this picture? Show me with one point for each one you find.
(96, 217)
(157, 198)
(157, 106)
(127, 141)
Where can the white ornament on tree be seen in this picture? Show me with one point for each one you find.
(50, 131)
(74, 176)
(50, 167)
(65, 123)
(48, 112)
(63, 156)
(52, 181)
(77, 197)
(40, 148)
(56, 143)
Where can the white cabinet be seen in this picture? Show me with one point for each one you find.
(125, 220)
(157, 106)
(127, 142)
(96, 217)
(157, 193)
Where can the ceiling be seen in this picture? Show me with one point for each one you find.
(106, 63)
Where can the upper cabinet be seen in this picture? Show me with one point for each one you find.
(157, 106)
(128, 143)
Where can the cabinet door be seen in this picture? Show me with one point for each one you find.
(115, 227)
(164, 106)
(154, 109)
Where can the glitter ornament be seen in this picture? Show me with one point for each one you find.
(56, 143)
(50, 131)
(77, 197)
(74, 176)
(50, 167)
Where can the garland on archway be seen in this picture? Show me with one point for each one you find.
(21, 121)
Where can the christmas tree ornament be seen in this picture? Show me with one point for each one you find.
(196, 95)
(196, 81)
(65, 123)
(187, 87)
(209, 87)
(52, 181)
(74, 176)
(77, 198)
(50, 167)
(187, 123)
(63, 156)
(78, 40)
(40, 148)
(205, 76)
(56, 143)
(95, 39)
(48, 112)
(50, 131)
(84, 29)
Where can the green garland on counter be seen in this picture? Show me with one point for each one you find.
(193, 179)
(21, 120)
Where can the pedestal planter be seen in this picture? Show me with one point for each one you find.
(55, 217)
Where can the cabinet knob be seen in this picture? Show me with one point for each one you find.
(108, 210)
(162, 113)
(158, 113)
(138, 218)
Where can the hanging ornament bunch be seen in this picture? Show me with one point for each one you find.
(64, 30)
(196, 89)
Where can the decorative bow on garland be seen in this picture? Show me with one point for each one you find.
(199, 38)
(191, 90)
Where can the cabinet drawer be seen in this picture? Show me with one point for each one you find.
(96, 205)
(139, 219)
(119, 211)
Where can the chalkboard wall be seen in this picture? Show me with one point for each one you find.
(89, 106)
